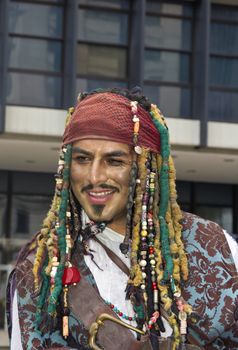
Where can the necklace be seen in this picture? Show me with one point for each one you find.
(120, 313)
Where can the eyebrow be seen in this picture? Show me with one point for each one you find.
(117, 153)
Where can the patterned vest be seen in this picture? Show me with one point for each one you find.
(212, 290)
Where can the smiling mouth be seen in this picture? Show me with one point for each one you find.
(100, 197)
(100, 194)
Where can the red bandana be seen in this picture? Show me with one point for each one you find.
(109, 115)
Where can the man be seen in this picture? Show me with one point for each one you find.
(115, 246)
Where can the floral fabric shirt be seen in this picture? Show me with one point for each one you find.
(212, 290)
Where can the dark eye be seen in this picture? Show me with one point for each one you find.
(82, 159)
(115, 162)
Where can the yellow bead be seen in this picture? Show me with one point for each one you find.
(144, 233)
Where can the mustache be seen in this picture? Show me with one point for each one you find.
(103, 186)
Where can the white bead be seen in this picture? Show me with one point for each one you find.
(143, 263)
(143, 275)
(152, 262)
(143, 252)
(138, 149)
(155, 296)
(53, 271)
(143, 286)
(135, 119)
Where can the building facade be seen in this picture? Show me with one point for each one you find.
(184, 54)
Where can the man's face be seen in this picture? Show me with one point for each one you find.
(100, 175)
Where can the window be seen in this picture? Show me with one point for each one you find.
(181, 98)
(92, 84)
(168, 54)
(102, 26)
(27, 214)
(102, 44)
(113, 4)
(101, 61)
(184, 195)
(214, 202)
(3, 206)
(223, 92)
(35, 53)
(28, 197)
(34, 89)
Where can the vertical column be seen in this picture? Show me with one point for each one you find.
(137, 39)
(3, 60)
(70, 53)
(201, 66)
(235, 210)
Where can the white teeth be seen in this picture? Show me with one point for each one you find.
(100, 194)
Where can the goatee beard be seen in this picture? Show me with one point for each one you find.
(98, 209)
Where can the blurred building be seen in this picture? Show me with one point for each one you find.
(183, 53)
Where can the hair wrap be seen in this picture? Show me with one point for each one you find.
(109, 115)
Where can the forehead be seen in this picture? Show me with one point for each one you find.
(102, 146)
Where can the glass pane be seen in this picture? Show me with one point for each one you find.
(55, 1)
(106, 27)
(171, 9)
(35, 54)
(37, 183)
(101, 60)
(168, 33)
(223, 106)
(118, 4)
(167, 66)
(34, 90)
(183, 191)
(89, 84)
(213, 194)
(3, 181)
(173, 101)
(3, 206)
(224, 38)
(225, 12)
(34, 19)
(28, 213)
(222, 216)
(224, 71)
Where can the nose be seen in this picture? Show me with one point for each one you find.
(97, 173)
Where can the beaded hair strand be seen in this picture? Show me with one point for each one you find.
(51, 241)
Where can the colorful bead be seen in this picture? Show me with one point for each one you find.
(143, 263)
(120, 313)
(71, 275)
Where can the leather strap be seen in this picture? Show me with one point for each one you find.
(126, 270)
(117, 261)
(112, 335)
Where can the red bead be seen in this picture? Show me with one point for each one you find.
(111, 306)
(150, 326)
(130, 318)
(120, 314)
(71, 275)
(154, 285)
